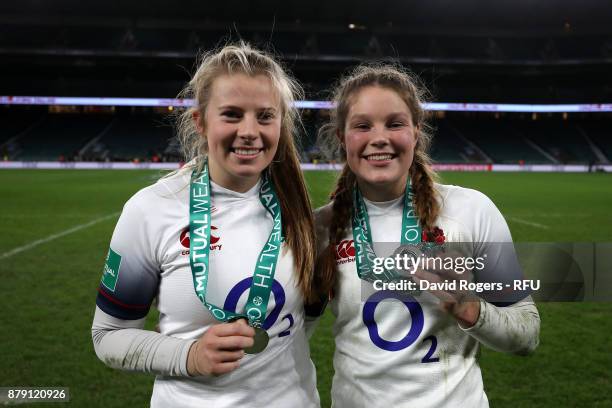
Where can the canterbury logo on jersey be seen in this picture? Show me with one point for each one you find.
(214, 245)
(345, 252)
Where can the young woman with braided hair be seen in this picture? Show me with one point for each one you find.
(403, 349)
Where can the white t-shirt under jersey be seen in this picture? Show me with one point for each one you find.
(152, 239)
(400, 359)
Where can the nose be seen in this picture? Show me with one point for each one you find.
(379, 138)
(248, 127)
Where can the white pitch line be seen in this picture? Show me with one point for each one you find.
(530, 223)
(56, 236)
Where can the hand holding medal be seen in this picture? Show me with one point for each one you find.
(461, 304)
(220, 348)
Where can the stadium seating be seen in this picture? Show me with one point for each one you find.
(501, 140)
(448, 146)
(59, 136)
(599, 133)
(561, 139)
(31, 134)
(136, 137)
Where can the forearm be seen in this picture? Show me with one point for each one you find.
(123, 344)
(512, 329)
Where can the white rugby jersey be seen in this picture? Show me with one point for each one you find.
(390, 354)
(152, 240)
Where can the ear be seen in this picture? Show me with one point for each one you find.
(198, 121)
(340, 139)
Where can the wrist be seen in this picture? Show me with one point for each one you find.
(467, 314)
(192, 368)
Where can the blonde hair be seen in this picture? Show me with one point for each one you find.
(285, 170)
(421, 173)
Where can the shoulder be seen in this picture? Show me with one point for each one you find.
(323, 215)
(474, 211)
(151, 199)
(323, 218)
(455, 199)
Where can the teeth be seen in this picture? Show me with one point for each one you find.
(379, 156)
(246, 152)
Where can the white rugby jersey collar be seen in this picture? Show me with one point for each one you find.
(384, 207)
(219, 192)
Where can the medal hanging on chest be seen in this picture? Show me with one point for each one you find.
(199, 255)
(362, 237)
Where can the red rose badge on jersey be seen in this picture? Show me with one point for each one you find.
(436, 236)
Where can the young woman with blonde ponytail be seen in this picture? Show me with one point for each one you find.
(225, 245)
(400, 348)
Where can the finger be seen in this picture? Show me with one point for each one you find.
(444, 296)
(441, 275)
(233, 343)
(422, 274)
(224, 368)
(246, 330)
(237, 328)
(447, 306)
(228, 356)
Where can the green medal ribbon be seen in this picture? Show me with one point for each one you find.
(199, 249)
(362, 236)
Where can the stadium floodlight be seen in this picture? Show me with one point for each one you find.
(174, 103)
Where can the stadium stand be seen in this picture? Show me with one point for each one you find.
(560, 139)
(59, 136)
(133, 137)
(448, 146)
(462, 54)
(144, 134)
(598, 135)
(500, 139)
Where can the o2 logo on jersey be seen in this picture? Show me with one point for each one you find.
(345, 252)
(184, 240)
(416, 326)
(231, 302)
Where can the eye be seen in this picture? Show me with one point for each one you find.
(231, 114)
(361, 126)
(266, 116)
(396, 124)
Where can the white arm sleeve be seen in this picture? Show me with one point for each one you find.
(123, 344)
(511, 329)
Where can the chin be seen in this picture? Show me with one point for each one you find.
(252, 171)
(383, 179)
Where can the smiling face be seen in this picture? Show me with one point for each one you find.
(379, 139)
(242, 125)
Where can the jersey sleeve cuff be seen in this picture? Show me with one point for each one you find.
(481, 319)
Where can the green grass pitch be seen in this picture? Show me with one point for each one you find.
(48, 291)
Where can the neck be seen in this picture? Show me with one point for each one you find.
(380, 193)
(237, 184)
(241, 186)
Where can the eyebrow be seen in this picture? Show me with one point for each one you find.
(224, 107)
(361, 116)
